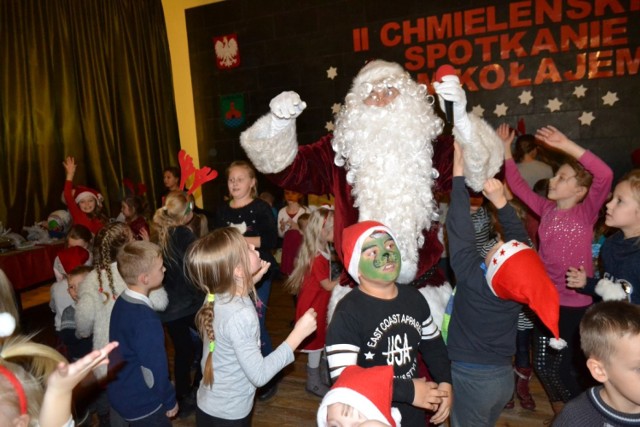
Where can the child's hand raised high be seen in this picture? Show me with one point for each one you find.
(507, 135)
(304, 327)
(494, 191)
(558, 140)
(70, 167)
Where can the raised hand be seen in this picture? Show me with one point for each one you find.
(559, 141)
(507, 135)
(494, 191)
(287, 105)
(70, 167)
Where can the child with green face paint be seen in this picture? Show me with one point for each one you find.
(381, 323)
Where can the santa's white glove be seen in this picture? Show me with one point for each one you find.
(284, 110)
(450, 89)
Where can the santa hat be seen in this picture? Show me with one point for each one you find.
(73, 257)
(82, 192)
(352, 239)
(368, 390)
(378, 70)
(516, 273)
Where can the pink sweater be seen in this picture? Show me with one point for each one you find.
(566, 234)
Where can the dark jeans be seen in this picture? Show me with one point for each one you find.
(523, 348)
(206, 420)
(183, 348)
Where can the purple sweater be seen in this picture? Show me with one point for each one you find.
(566, 234)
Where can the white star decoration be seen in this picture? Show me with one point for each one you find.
(525, 97)
(586, 118)
(610, 98)
(554, 104)
(332, 73)
(580, 91)
(335, 108)
(329, 126)
(501, 110)
(478, 110)
(368, 356)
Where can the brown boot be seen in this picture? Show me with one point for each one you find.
(523, 376)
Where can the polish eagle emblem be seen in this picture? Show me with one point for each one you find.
(227, 52)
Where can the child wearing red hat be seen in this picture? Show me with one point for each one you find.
(488, 299)
(85, 204)
(380, 323)
(360, 395)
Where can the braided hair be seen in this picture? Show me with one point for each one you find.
(210, 263)
(108, 242)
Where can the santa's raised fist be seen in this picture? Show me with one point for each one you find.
(287, 105)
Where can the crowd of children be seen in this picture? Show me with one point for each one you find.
(116, 292)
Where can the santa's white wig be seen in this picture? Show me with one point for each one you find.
(388, 152)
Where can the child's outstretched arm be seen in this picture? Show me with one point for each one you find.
(460, 230)
(56, 405)
(70, 167)
(513, 227)
(302, 329)
(517, 184)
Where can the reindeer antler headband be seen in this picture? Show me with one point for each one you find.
(202, 175)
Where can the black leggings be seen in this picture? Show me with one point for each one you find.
(183, 347)
(563, 373)
(206, 420)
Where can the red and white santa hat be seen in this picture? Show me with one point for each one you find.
(73, 257)
(516, 273)
(368, 390)
(82, 192)
(352, 239)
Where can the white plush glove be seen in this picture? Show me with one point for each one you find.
(451, 90)
(284, 109)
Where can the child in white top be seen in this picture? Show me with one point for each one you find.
(226, 266)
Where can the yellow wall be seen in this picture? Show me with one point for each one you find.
(174, 15)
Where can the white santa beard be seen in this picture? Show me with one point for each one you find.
(388, 155)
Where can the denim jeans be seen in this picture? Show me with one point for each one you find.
(263, 291)
(480, 393)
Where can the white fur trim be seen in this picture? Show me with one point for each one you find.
(510, 248)
(376, 71)
(557, 343)
(337, 294)
(610, 291)
(483, 153)
(7, 324)
(352, 398)
(437, 297)
(270, 153)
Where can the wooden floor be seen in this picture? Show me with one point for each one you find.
(293, 406)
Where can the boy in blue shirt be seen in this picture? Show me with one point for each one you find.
(141, 393)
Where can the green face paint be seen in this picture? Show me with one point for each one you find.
(380, 258)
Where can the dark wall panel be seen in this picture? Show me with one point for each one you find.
(287, 45)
